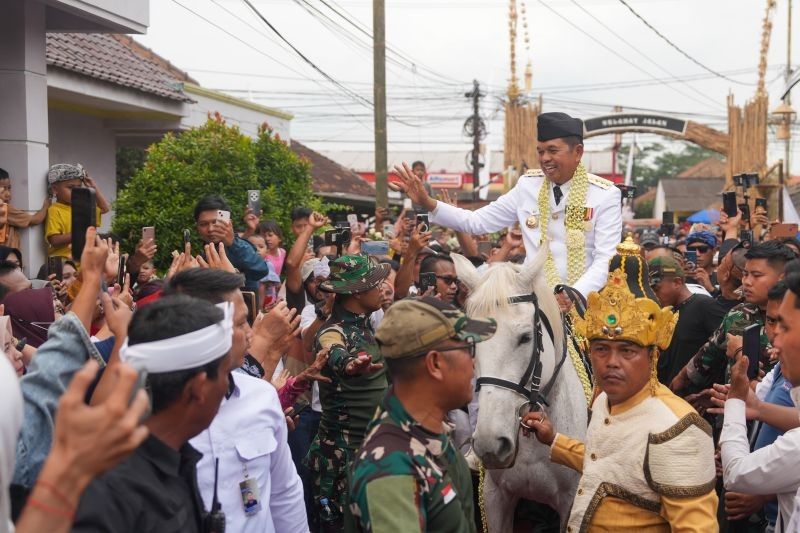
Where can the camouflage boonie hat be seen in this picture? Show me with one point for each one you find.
(413, 326)
(351, 274)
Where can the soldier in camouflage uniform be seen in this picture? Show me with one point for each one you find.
(409, 476)
(762, 270)
(358, 380)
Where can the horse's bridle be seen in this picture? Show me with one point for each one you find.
(529, 384)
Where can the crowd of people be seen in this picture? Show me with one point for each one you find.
(311, 381)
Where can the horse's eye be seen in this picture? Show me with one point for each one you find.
(525, 338)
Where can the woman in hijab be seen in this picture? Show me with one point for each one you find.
(31, 312)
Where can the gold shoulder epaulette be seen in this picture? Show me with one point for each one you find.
(600, 182)
(533, 173)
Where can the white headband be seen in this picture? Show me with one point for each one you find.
(183, 352)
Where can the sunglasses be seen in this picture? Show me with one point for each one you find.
(449, 280)
(700, 249)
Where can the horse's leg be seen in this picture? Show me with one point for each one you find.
(500, 505)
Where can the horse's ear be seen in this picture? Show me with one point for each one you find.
(466, 271)
(531, 269)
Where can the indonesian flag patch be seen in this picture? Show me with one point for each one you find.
(448, 493)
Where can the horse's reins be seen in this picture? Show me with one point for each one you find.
(529, 385)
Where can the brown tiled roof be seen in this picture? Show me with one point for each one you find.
(692, 195)
(108, 58)
(711, 167)
(329, 176)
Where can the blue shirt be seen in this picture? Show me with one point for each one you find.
(777, 395)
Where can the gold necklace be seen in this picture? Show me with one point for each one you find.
(576, 243)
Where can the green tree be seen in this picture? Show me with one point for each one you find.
(655, 161)
(212, 159)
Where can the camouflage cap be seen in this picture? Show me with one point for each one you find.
(413, 326)
(351, 274)
(663, 268)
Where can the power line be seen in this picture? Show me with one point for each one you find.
(617, 54)
(638, 51)
(679, 49)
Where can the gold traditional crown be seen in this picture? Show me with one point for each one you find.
(616, 313)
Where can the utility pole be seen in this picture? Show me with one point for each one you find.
(788, 169)
(379, 98)
(475, 128)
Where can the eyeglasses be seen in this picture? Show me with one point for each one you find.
(449, 280)
(699, 249)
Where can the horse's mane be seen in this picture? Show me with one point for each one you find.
(489, 298)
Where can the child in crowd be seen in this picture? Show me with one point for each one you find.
(260, 243)
(13, 219)
(61, 179)
(147, 272)
(273, 236)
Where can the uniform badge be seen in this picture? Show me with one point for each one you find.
(532, 222)
(588, 214)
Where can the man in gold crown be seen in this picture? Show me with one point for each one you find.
(648, 461)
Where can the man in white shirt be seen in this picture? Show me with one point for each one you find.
(575, 211)
(772, 469)
(249, 434)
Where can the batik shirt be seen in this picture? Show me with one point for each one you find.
(710, 364)
(348, 402)
(406, 478)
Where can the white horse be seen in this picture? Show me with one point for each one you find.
(519, 466)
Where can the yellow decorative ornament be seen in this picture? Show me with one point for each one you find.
(616, 314)
(576, 249)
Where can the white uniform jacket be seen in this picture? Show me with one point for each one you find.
(248, 436)
(603, 229)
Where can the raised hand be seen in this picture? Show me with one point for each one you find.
(413, 187)
(362, 364)
(314, 371)
(95, 254)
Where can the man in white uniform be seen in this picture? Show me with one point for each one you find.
(574, 210)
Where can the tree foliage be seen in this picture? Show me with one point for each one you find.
(655, 161)
(212, 159)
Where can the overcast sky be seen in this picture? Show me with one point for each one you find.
(444, 44)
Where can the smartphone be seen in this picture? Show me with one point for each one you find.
(352, 220)
(298, 407)
(751, 347)
(691, 257)
(667, 217)
(377, 248)
(422, 220)
(745, 209)
(729, 203)
(388, 231)
(252, 307)
(187, 237)
(254, 202)
(55, 265)
(426, 281)
(121, 269)
(410, 214)
(485, 248)
(148, 233)
(84, 215)
(779, 231)
(761, 202)
(223, 215)
(408, 204)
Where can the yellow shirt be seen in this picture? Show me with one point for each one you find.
(625, 486)
(59, 222)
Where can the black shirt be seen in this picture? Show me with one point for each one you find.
(699, 318)
(152, 491)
